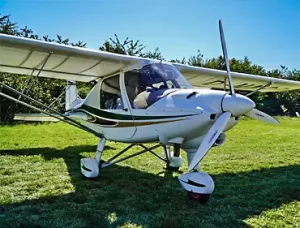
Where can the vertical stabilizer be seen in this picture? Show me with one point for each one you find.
(72, 98)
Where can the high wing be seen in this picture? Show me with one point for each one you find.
(211, 78)
(26, 56)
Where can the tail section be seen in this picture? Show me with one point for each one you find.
(72, 98)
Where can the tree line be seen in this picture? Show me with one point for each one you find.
(48, 90)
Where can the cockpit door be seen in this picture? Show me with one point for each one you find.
(118, 122)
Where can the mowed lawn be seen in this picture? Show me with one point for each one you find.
(256, 173)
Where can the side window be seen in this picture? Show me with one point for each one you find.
(132, 85)
(110, 93)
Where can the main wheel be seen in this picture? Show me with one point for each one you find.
(201, 198)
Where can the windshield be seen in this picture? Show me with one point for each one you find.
(162, 76)
(147, 85)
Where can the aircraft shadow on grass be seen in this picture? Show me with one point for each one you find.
(148, 199)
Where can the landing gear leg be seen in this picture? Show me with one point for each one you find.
(90, 166)
(174, 159)
(190, 156)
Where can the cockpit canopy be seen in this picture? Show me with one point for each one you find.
(147, 85)
(162, 75)
(144, 86)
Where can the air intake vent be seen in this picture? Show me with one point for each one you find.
(191, 95)
(212, 116)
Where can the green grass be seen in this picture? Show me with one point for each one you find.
(256, 172)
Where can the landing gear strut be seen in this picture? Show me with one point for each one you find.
(174, 160)
(90, 166)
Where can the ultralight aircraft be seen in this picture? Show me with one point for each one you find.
(138, 100)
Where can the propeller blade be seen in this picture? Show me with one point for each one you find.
(226, 57)
(259, 115)
(210, 138)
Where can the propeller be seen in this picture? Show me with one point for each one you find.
(232, 104)
(259, 115)
(223, 43)
(210, 138)
(254, 113)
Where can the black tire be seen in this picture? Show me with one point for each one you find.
(172, 168)
(201, 198)
(2, 210)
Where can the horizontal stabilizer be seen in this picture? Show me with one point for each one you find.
(36, 117)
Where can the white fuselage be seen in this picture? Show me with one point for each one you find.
(183, 116)
(167, 109)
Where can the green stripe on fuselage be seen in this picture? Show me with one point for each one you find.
(116, 116)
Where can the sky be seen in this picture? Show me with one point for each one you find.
(266, 31)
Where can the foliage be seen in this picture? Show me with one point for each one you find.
(8, 27)
(47, 90)
(41, 184)
(153, 55)
(44, 90)
(284, 103)
(127, 47)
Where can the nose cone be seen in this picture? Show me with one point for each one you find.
(237, 104)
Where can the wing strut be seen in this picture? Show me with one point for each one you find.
(29, 81)
(38, 74)
(57, 114)
(57, 99)
(257, 90)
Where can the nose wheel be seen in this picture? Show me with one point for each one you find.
(199, 186)
(201, 198)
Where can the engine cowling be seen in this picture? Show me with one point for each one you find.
(220, 140)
